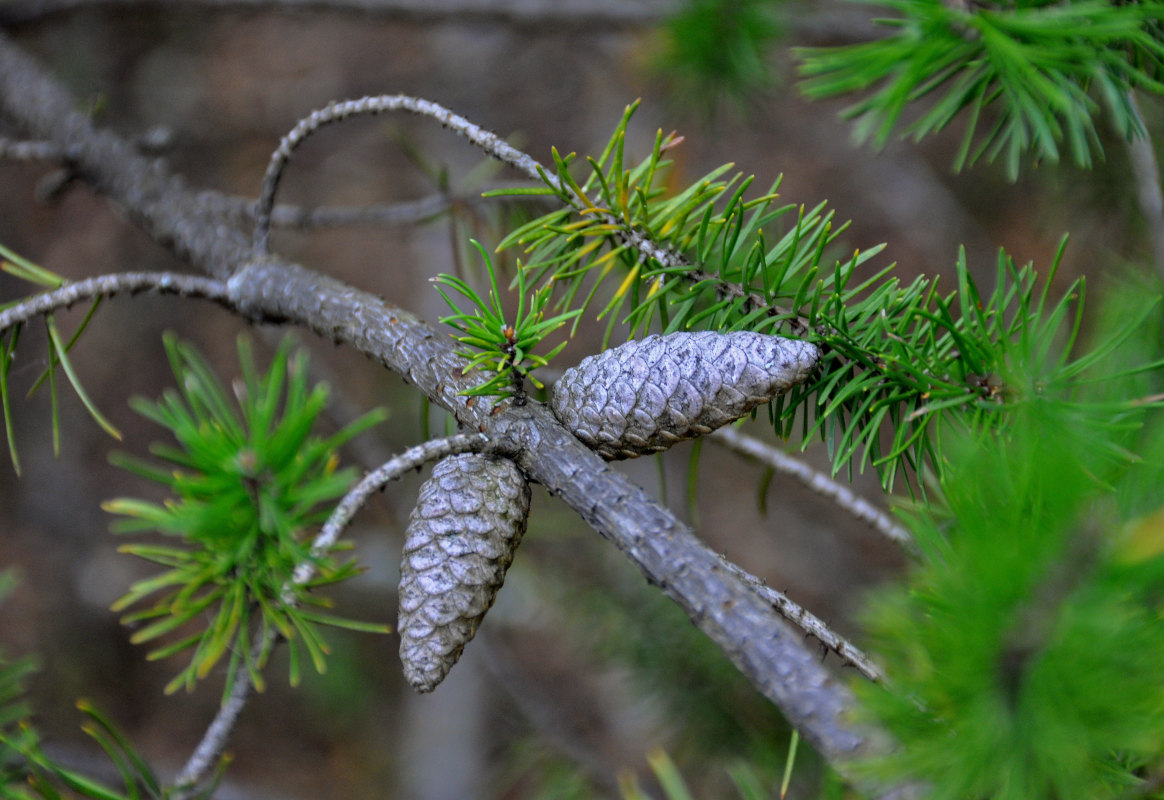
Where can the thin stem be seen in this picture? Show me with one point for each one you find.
(1146, 174)
(749, 446)
(213, 743)
(808, 622)
(294, 217)
(105, 285)
(23, 150)
(410, 459)
(489, 142)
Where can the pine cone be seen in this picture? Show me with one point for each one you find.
(468, 520)
(644, 396)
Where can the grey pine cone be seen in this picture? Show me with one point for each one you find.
(469, 518)
(643, 396)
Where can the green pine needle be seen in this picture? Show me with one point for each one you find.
(250, 482)
(898, 357)
(496, 345)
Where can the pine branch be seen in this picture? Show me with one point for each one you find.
(488, 142)
(23, 150)
(724, 607)
(894, 356)
(769, 653)
(556, 15)
(1146, 174)
(112, 284)
(750, 447)
(811, 624)
(213, 744)
(1035, 64)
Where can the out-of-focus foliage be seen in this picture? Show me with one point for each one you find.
(1029, 78)
(1024, 649)
(714, 49)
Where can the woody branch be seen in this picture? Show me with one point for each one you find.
(195, 226)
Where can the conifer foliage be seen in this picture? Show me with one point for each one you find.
(1021, 653)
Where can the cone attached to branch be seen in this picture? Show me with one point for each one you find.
(643, 396)
(469, 518)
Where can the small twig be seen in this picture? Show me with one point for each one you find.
(1146, 174)
(21, 150)
(808, 622)
(489, 142)
(300, 218)
(213, 742)
(410, 459)
(817, 481)
(105, 285)
(154, 140)
(210, 749)
(557, 15)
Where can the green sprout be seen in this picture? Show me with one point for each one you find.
(495, 344)
(247, 490)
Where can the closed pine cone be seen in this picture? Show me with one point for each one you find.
(645, 395)
(469, 518)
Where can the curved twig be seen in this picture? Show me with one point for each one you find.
(209, 750)
(353, 501)
(490, 143)
(111, 284)
(749, 446)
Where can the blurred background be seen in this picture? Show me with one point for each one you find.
(580, 670)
